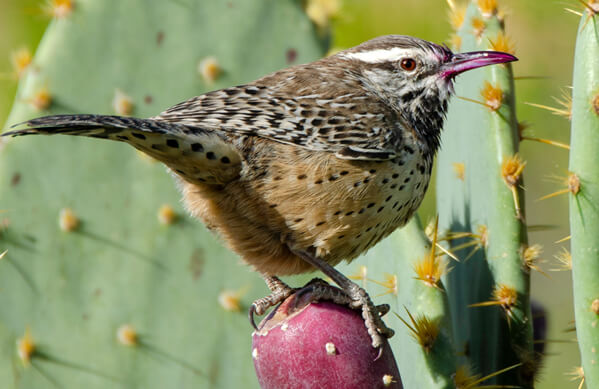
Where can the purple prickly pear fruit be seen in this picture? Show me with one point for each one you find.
(319, 345)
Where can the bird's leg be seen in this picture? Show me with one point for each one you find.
(280, 291)
(355, 296)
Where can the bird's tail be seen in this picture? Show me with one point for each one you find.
(196, 154)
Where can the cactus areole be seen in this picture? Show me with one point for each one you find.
(319, 345)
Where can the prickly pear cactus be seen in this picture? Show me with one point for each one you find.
(102, 285)
(480, 205)
(584, 191)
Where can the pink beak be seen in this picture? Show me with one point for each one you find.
(462, 62)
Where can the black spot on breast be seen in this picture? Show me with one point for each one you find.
(225, 160)
(349, 213)
(341, 237)
(231, 92)
(333, 121)
(122, 137)
(318, 182)
(343, 173)
(366, 180)
(395, 204)
(334, 177)
(277, 178)
(298, 220)
(393, 186)
(379, 211)
(337, 213)
(210, 155)
(356, 184)
(388, 198)
(372, 171)
(395, 175)
(401, 187)
(306, 113)
(172, 143)
(370, 205)
(273, 205)
(322, 114)
(368, 229)
(251, 91)
(406, 180)
(324, 130)
(138, 135)
(197, 147)
(409, 150)
(411, 172)
(385, 181)
(316, 122)
(319, 224)
(302, 177)
(362, 211)
(421, 169)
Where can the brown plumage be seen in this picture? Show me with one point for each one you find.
(307, 166)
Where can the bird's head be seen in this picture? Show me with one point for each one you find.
(414, 76)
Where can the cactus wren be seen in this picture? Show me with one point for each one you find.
(307, 166)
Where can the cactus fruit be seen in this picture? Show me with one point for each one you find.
(584, 196)
(319, 345)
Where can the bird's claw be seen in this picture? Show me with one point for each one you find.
(280, 291)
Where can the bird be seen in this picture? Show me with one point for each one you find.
(308, 166)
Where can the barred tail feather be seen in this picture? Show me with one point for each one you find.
(197, 155)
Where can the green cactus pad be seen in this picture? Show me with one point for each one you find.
(74, 290)
(584, 199)
(473, 196)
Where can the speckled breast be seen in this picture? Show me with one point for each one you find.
(339, 207)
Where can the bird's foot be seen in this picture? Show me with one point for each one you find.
(372, 314)
(355, 298)
(280, 291)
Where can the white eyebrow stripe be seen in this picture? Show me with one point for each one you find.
(380, 55)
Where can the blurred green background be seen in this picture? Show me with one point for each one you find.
(543, 33)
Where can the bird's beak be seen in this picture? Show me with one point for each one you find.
(462, 62)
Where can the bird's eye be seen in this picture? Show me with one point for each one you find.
(408, 64)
